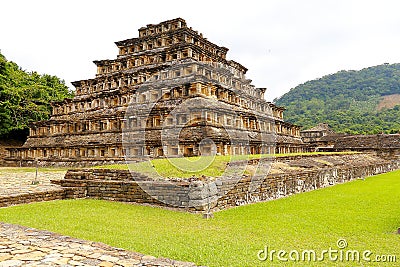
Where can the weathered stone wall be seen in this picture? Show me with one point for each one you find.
(122, 185)
(385, 144)
(281, 185)
(59, 162)
(372, 142)
(4, 153)
(32, 197)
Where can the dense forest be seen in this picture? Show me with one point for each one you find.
(25, 97)
(349, 101)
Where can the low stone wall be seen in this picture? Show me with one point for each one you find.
(197, 195)
(122, 185)
(32, 197)
(282, 185)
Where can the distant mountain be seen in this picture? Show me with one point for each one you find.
(357, 102)
(25, 97)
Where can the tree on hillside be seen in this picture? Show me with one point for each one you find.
(347, 100)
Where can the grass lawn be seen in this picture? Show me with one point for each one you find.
(200, 165)
(366, 213)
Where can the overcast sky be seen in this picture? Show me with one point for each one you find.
(282, 42)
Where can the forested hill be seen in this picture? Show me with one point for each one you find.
(358, 102)
(25, 97)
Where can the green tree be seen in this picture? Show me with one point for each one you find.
(347, 100)
(25, 97)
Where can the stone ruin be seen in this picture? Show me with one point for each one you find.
(289, 175)
(323, 138)
(384, 145)
(170, 92)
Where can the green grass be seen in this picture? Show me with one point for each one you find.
(200, 165)
(364, 212)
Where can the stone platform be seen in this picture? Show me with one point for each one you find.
(21, 182)
(18, 187)
(287, 176)
(21, 246)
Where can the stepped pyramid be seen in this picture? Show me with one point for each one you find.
(170, 92)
